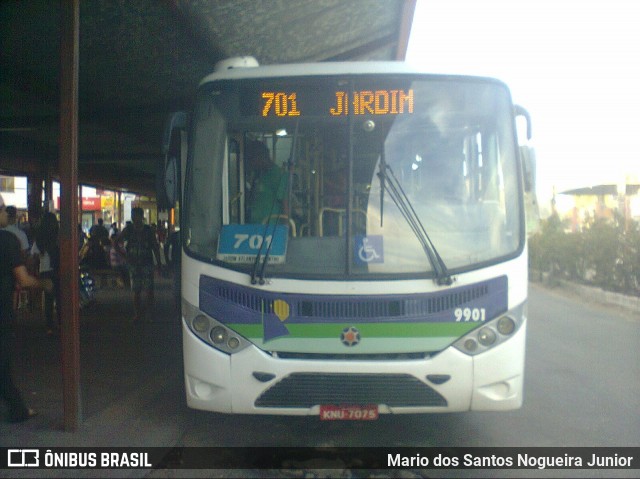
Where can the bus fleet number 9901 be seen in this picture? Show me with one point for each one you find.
(469, 314)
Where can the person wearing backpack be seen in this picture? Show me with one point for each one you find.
(141, 247)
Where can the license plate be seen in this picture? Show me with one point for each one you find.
(348, 413)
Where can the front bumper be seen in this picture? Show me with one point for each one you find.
(255, 382)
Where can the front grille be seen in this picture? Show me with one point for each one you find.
(305, 390)
(407, 306)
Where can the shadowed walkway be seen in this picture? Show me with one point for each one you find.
(131, 378)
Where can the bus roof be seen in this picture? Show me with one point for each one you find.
(321, 68)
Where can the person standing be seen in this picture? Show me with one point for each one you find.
(47, 250)
(118, 260)
(268, 193)
(12, 271)
(141, 247)
(100, 233)
(12, 214)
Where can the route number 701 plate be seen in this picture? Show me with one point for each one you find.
(348, 413)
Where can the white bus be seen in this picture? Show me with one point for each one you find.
(384, 270)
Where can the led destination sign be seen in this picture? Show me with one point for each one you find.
(342, 103)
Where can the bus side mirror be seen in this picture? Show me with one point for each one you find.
(521, 111)
(528, 159)
(169, 181)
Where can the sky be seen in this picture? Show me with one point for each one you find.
(574, 65)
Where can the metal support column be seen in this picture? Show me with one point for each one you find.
(34, 198)
(69, 55)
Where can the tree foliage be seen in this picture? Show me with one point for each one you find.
(605, 253)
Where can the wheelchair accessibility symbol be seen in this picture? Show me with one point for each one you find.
(368, 249)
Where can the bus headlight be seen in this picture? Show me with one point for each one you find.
(470, 344)
(201, 323)
(212, 332)
(506, 325)
(218, 335)
(486, 337)
(492, 333)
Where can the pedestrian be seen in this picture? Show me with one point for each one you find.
(13, 227)
(99, 232)
(94, 254)
(82, 238)
(46, 249)
(12, 271)
(141, 247)
(118, 260)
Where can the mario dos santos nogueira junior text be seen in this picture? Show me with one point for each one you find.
(519, 461)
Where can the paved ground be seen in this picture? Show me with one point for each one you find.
(127, 372)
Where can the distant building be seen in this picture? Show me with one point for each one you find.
(602, 202)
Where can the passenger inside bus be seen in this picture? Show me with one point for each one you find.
(267, 196)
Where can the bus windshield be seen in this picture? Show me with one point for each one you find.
(303, 174)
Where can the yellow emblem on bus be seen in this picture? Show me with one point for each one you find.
(281, 308)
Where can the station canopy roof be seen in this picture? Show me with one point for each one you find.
(603, 190)
(142, 59)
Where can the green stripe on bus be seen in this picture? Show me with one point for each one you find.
(370, 330)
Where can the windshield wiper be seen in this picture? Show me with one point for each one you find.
(255, 277)
(390, 184)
